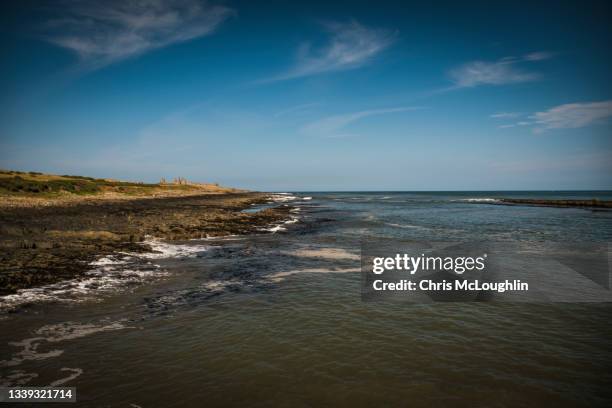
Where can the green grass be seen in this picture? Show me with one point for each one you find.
(18, 184)
(38, 183)
(35, 184)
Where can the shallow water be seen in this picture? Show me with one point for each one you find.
(277, 319)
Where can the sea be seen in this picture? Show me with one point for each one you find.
(277, 318)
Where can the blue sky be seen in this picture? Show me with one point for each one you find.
(311, 96)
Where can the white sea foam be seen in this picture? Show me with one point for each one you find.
(233, 237)
(280, 226)
(167, 250)
(108, 276)
(478, 200)
(75, 373)
(406, 226)
(275, 229)
(54, 333)
(280, 276)
(108, 260)
(29, 349)
(324, 253)
(114, 272)
(16, 378)
(286, 197)
(282, 197)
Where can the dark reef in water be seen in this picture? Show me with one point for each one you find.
(43, 245)
(556, 203)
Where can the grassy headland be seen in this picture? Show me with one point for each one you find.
(33, 188)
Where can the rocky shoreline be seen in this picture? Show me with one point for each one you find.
(46, 244)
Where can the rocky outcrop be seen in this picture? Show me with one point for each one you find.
(45, 244)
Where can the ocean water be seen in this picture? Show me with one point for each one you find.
(276, 319)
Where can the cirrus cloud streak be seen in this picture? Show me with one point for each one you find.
(566, 116)
(507, 70)
(350, 46)
(102, 33)
(331, 125)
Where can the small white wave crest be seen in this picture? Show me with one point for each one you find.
(169, 250)
(282, 197)
(406, 226)
(281, 276)
(478, 200)
(280, 226)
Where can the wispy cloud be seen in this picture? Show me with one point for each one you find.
(572, 115)
(507, 70)
(351, 45)
(504, 115)
(511, 125)
(102, 33)
(538, 56)
(567, 116)
(331, 126)
(489, 73)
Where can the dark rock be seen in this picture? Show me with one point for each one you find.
(42, 245)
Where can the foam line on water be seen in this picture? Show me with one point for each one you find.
(280, 276)
(163, 250)
(29, 349)
(478, 200)
(323, 253)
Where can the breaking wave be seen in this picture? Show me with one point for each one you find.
(282, 197)
(478, 200)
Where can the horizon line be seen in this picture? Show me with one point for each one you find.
(435, 191)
